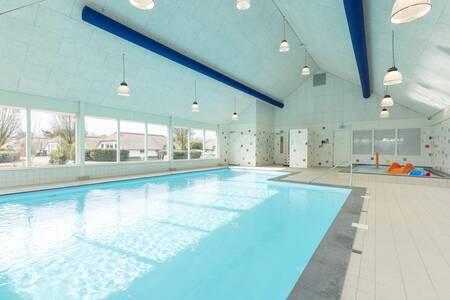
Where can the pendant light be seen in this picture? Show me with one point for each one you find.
(195, 106)
(143, 4)
(242, 4)
(284, 45)
(387, 101)
(405, 11)
(235, 116)
(393, 75)
(306, 70)
(384, 113)
(123, 89)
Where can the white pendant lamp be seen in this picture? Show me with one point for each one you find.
(195, 106)
(387, 101)
(284, 45)
(405, 11)
(235, 115)
(123, 89)
(242, 4)
(393, 75)
(143, 4)
(384, 113)
(306, 70)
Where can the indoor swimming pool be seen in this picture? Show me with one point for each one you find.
(220, 234)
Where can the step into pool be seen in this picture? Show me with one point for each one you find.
(221, 234)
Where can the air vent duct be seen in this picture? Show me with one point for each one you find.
(320, 79)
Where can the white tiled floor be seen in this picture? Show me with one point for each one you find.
(406, 250)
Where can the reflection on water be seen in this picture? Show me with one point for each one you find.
(91, 242)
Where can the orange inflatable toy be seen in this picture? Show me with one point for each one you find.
(395, 168)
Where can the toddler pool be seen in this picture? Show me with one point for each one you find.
(222, 234)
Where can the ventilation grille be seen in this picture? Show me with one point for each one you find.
(320, 79)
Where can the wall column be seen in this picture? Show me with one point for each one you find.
(81, 129)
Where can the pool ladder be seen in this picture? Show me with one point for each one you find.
(342, 164)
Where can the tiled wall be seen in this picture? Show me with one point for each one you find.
(320, 148)
(440, 146)
(265, 147)
(33, 176)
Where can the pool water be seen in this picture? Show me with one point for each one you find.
(222, 234)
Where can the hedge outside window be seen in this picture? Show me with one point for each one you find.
(132, 141)
(12, 137)
(210, 144)
(180, 143)
(100, 140)
(53, 138)
(157, 142)
(196, 143)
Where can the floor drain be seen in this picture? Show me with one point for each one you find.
(356, 251)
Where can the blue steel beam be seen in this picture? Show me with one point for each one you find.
(101, 21)
(355, 18)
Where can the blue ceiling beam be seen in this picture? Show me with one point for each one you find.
(354, 10)
(101, 21)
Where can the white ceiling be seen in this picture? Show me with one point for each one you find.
(47, 50)
(423, 48)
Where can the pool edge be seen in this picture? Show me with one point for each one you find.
(324, 275)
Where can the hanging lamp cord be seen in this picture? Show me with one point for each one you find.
(195, 90)
(306, 63)
(20, 7)
(123, 66)
(284, 28)
(393, 48)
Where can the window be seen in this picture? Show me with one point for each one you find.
(384, 141)
(12, 137)
(362, 142)
(180, 143)
(196, 143)
(132, 141)
(157, 142)
(409, 141)
(210, 144)
(53, 138)
(100, 140)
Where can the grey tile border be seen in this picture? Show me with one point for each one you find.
(323, 277)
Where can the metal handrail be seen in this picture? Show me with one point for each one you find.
(349, 163)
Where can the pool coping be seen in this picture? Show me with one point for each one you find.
(324, 275)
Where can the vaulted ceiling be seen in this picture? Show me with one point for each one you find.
(422, 48)
(48, 50)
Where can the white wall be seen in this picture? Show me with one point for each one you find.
(339, 105)
(38, 175)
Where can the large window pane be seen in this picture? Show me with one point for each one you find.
(210, 144)
(157, 142)
(362, 142)
(384, 141)
(196, 142)
(53, 138)
(409, 141)
(12, 137)
(180, 143)
(100, 140)
(132, 141)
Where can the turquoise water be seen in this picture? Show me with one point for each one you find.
(223, 234)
